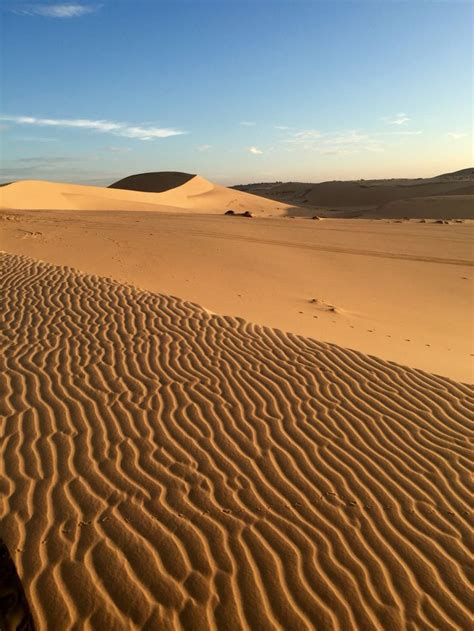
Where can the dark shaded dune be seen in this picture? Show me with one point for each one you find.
(439, 207)
(363, 194)
(465, 190)
(360, 194)
(153, 182)
(462, 173)
(165, 468)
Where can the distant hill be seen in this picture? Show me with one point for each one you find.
(153, 182)
(453, 193)
(462, 174)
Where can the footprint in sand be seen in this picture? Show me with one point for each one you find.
(322, 305)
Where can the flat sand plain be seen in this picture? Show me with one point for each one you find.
(166, 468)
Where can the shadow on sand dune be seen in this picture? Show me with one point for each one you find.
(14, 609)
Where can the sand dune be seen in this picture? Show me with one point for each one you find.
(165, 468)
(183, 192)
(439, 207)
(153, 182)
(196, 195)
(453, 193)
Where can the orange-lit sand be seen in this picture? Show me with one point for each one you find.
(165, 468)
(180, 446)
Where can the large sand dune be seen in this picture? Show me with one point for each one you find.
(195, 195)
(165, 468)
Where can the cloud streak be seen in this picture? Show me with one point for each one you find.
(247, 123)
(342, 142)
(399, 119)
(337, 143)
(256, 151)
(455, 135)
(65, 10)
(103, 126)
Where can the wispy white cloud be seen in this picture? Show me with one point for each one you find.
(41, 160)
(104, 126)
(247, 123)
(455, 135)
(307, 134)
(113, 149)
(256, 151)
(64, 10)
(203, 148)
(398, 133)
(399, 119)
(35, 139)
(333, 143)
(281, 127)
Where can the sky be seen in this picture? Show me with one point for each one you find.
(236, 91)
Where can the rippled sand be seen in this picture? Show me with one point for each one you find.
(166, 468)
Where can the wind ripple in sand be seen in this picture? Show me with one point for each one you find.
(165, 468)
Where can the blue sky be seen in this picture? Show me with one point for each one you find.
(240, 91)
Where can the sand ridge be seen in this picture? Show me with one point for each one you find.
(195, 195)
(447, 196)
(200, 472)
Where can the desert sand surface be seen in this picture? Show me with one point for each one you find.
(163, 467)
(400, 291)
(447, 196)
(221, 422)
(197, 194)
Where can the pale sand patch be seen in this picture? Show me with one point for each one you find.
(163, 468)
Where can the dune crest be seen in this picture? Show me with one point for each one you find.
(165, 468)
(153, 182)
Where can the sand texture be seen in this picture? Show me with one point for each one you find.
(166, 468)
(400, 291)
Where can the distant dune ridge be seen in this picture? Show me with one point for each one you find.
(446, 196)
(166, 468)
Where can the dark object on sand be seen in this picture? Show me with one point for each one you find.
(316, 218)
(14, 609)
(247, 213)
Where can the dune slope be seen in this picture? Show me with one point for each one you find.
(165, 468)
(195, 195)
(447, 196)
